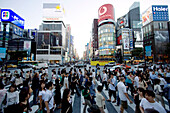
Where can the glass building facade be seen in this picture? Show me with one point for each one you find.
(107, 39)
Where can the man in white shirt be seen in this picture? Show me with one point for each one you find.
(149, 103)
(49, 99)
(123, 95)
(112, 89)
(104, 80)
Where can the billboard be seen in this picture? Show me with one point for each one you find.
(27, 45)
(53, 12)
(106, 12)
(148, 50)
(7, 15)
(161, 40)
(2, 52)
(155, 13)
(123, 21)
(119, 40)
(160, 13)
(126, 43)
(147, 16)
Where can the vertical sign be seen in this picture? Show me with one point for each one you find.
(2, 52)
(148, 50)
(130, 39)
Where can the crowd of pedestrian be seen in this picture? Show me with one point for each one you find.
(146, 87)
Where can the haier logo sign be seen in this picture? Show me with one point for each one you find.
(160, 13)
(160, 9)
(5, 15)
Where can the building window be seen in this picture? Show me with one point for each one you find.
(160, 25)
(42, 52)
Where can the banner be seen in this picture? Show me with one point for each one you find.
(2, 52)
(27, 45)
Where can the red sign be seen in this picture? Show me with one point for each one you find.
(119, 40)
(106, 12)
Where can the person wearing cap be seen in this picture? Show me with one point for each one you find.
(123, 94)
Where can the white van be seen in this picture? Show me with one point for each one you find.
(41, 65)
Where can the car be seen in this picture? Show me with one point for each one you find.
(115, 67)
(142, 65)
(53, 65)
(21, 66)
(41, 65)
(126, 66)
(80, 64)
(11, 66)
(110, 64)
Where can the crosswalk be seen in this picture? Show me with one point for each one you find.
(77, 103)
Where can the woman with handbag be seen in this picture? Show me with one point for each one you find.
(66, 102)
(12, 100)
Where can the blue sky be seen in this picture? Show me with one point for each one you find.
(79, 14)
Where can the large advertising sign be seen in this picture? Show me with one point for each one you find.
(119, 40)
(161, 40)
(155, 13)
(53, 12)
(7, 15)
(106, 12)
(148, 50)
(160, 13)
(123, 21)
(147, 16)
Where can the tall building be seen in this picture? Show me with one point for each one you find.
(51, 35)
(155, 32)
(16, 46)
(106, 31)
(95, 36)
(135, 23)
(129, 28)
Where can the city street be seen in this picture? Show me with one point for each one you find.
(77, 102)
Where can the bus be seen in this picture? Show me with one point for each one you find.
(101, 61)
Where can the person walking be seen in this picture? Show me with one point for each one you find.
(49, 99)
(100, 100)
(112, 88)
(35, 87)
(104, 80)
(66, 102)
(123, 94)
(149, 102)
(12, 99)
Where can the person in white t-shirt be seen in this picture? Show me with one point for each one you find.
(149, 103)
(49, 99)
(112, 88)
(123, 94)
(104, 79)
(41, 94)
